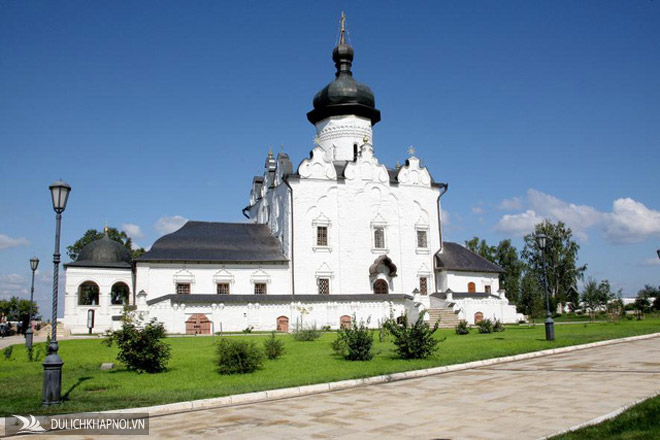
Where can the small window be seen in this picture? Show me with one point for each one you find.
(472, 287)
(119, 294)
(223, 289)
(421, 239)
(355, 152)
(324, 286)
(260, 288)
(321, 235)
(379, 238)
(487, 289)
(183, 288)
(423, 285)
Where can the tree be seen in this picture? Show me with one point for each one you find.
(17, 309)
(507, 259)
(504, 255)
(93, 235)
(648, 291)
(595, 296)
(561, 257)
(532, 300)
(480, 247)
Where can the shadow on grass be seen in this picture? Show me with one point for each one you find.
(74, 386)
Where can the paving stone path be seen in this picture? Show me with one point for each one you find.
(517, 400)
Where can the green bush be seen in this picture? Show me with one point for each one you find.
(141, 349)
(485, 326)
(498, 326)
(355, 342)
(462, 327)
(248, 329)
(273, 347)
(8, 351)
(235, 356)
(302, 333)
(414, 341)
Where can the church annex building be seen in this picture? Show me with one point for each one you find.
(339, 236)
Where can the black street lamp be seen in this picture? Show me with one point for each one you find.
(34, 263)
(541, 240)
(658, 251)
(52, 387)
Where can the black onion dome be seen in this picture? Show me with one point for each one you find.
(344, 95)
(103, 252)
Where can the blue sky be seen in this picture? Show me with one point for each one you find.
(155, 111)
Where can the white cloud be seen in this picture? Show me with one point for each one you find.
(133, 231)
(476, 209)
(652, 261)
(166, 225)
(519, 224)
(12, 284)
(7, 242)
(513, 204)
(631, 222)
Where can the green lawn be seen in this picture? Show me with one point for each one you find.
(642, 421)
(192, 374)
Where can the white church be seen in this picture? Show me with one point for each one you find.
(339, 236)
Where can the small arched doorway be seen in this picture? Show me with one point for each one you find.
(478, 317)
(381, 287)
(88, 294)
(283, 324)
(472, 287)
(119, 295)
(198, 324)
(345, 322)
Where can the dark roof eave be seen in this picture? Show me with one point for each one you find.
(215, 298)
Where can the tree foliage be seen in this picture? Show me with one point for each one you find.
(595, 296)
(16, 309)
(560, 259)
(93, 235)
(648, 291)
(532, 300)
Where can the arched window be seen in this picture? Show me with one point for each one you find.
(119, 294)
(380, 286)
(88, 294)
(478, 317)
(472, 287)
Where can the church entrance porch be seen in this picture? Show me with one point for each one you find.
(198, 324)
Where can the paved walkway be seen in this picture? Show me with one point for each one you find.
(517, 400)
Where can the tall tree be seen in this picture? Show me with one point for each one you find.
(17, 309)
(92, 235)
(480, 247)
(560, 256)
(507, 258)
(531, 296)
(595, 296)
(648, 291)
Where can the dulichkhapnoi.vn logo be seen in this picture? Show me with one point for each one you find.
(87, 423)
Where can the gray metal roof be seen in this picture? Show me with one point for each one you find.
(217, 242)
(265, 299)
(453, 256)
(104, 252)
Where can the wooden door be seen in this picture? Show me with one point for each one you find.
(283, 324)
(380, 286)
(198, 324)
(478, 317)
(345, 322)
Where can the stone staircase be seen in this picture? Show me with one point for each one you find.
(446, 315)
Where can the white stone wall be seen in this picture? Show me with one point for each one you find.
(75, 316)
(491, 308)
(338, 135)
(234, 317)
(158, 279)
(458, 281)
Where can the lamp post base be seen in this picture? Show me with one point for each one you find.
(52, 388)
(549, 329)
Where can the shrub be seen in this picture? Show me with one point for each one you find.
(485, 326)
(248, 329)
(414, 341)
(8, 351)
(355, 342)
(498, 326)
(326, 328)
(141, 349)
(301, 333)
(273, 347)
(235, 356)
(462, 327)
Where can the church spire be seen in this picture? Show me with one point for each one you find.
(343, 53)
